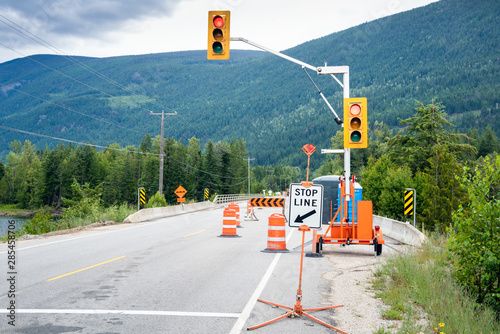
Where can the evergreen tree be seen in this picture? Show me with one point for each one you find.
(146, 144)
(488, 143)
(428, 128)
(210, 167)
(193, 169)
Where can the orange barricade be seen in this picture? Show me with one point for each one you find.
(250, 212)
(236, 208)
(229, 223)
(276, 234)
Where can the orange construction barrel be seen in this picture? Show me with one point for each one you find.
(229, 223)
(276, 234)
(236, 208)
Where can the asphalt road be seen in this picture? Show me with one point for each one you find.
(172, 275)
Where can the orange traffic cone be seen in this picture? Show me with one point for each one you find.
(229, 223)
(276, 234)
(236, 208)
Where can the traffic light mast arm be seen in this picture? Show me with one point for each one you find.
(319, 70)
(293, 60)
(337, 118)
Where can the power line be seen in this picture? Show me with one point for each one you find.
(115, 149)
(72, 110)
(48, 45)
(74, 142)
(70, 77)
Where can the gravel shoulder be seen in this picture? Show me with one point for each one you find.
(351, 286)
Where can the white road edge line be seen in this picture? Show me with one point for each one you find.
(238, 326)
(127, 312)
(88, 236)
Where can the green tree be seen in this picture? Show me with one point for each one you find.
(146, 144)
(442, 193)
(424, 132)
(84, 203)
(488, 143)
(373, 180)
(193, 169)
(475, 239)
(211, 178)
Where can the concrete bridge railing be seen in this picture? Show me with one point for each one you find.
(403, 232)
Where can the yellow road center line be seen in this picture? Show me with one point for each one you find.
(95, 265)
(194, 233)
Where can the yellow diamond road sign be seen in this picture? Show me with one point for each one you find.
(180, 191)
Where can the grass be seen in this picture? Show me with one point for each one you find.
(43, 221)
(116, 213)
(421, 283)
(13, 210)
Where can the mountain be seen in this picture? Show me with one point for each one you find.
(447, 50)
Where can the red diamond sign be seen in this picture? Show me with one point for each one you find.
(308, 149)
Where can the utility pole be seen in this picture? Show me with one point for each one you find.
(160, 183)
(248, 159)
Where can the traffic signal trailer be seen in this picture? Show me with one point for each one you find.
(348, 231)
(356, 229)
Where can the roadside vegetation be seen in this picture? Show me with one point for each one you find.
(455, 279)
(421, 285)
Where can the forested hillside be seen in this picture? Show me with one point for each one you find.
(447, 50)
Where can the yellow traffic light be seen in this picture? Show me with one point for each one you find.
(355, 123)
(218, 34)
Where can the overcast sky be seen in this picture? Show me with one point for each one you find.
(104, 28)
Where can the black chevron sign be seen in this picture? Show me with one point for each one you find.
(267, 202)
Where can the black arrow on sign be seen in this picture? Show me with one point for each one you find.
(300, 219)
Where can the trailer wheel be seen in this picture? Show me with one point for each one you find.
(378, 249)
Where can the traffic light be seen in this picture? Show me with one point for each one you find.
(218, 34)
(355, 123)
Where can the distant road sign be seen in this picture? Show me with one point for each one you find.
(306, 205)
(408, 208)
(142, 195)
(180, 191)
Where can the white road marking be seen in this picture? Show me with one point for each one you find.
(91, 235)
(127, 312)
(238, 326)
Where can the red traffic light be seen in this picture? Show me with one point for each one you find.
(218, 21)
(355, 109)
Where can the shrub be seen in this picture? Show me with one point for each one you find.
(475, 240)
(41, 223)
(156, 201)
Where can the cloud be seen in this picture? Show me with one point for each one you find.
(80, 18)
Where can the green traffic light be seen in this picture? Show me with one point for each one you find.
(355, 136)
(217, 47)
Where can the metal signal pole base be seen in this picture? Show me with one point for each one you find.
(297, 309)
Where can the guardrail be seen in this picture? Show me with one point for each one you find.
(222, 199)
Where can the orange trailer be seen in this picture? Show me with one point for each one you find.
(351, 230)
